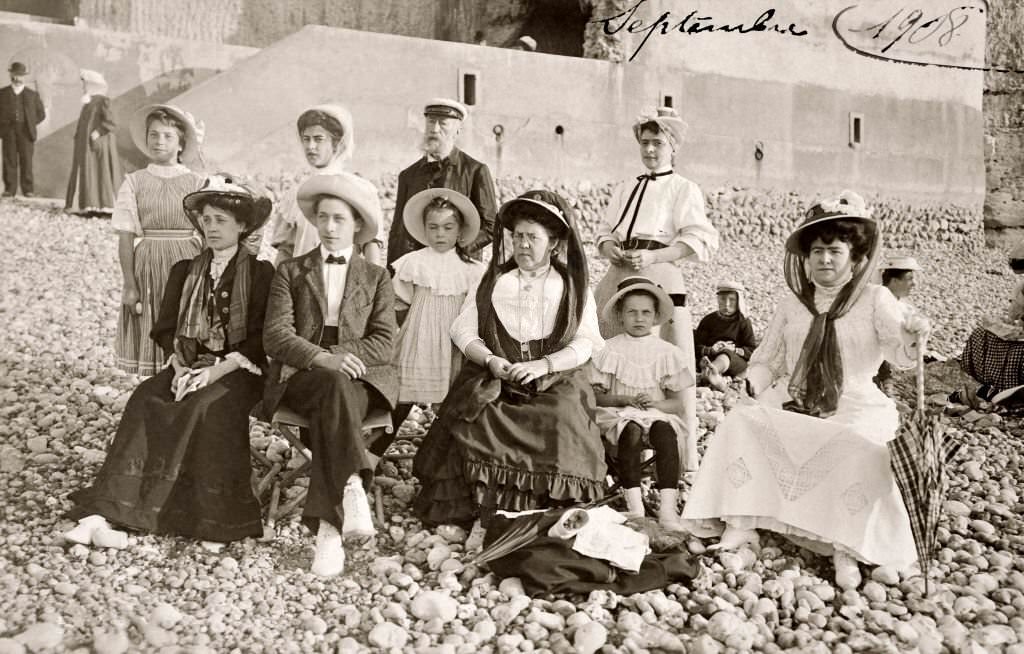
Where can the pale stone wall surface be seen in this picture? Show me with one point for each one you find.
(1004, 122)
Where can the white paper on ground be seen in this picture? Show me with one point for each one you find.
(604, 537)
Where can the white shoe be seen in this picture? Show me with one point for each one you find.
(329, 559)
(668, 512)
(358, 518)
(734, 538)
(847, 571)
(112, 538)
(634, 503)
(87, 526)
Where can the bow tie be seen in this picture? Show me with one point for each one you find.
(653, 176)
(339, 260)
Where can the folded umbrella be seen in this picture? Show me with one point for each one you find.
(919, 456)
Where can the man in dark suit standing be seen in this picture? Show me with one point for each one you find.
(330, 328)
(20, 111)
(443, 166)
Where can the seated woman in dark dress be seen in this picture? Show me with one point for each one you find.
(517, 429)
(179, 463)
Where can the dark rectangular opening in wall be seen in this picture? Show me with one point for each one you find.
(856, 129)
(469, 89)
(667, 101)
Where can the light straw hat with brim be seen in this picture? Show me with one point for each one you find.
(193, 130)
(900, 262)
(413, 217)
(355, 191)
(633, 284)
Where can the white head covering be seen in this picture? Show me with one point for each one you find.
(347, 145)
(95, 84)
(731, 286)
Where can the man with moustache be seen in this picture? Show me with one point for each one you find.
(20, 111)
(443, 166)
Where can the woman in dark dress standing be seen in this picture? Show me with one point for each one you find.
(180, 460)
(96, 171)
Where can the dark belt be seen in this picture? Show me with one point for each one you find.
(329, 337)
(643, 244)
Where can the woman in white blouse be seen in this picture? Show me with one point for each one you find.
(809, 458)
(517, 431)
(651, 226)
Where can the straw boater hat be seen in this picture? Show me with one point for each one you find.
(639, 283)
(445, 108)
(848, 206)
(900, 262)
(669, 122)
(254, 205)
(193, 129)
(412, 214)
(353, 190)
(94, 82)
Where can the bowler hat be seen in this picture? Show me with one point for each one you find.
(18, 68)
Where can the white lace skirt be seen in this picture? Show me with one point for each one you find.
(826, 481)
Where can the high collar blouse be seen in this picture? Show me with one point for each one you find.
(671, 211)
(529, 314)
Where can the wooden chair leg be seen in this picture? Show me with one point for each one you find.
(275, 499)
(378, 503)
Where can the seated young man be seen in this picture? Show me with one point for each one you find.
(330, 329)
(724, 339)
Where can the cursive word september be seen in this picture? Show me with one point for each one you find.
(916, 29)
(691, 24)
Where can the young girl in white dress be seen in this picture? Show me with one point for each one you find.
(639, 380)
(431, 286)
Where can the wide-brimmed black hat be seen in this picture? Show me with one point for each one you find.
(848, 206)
(254, 207)
(542, 205)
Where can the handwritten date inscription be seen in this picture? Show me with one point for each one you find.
(942, 34)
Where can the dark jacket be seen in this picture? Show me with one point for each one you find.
(459, 172)
(713, 328)
(32, 105)
(295, 323)
(251, 348)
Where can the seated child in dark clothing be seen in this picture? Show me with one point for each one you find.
(724, 340)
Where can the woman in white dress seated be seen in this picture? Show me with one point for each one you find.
(809, 459)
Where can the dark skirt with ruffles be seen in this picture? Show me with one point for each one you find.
(181, 467)
(524, 449)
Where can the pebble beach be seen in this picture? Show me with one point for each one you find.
(410, 589)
